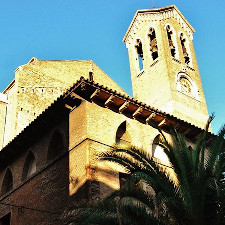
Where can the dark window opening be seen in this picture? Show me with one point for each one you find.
(140, 54)
(153, 43)
(5, 220)
(184, 49)
(171, 45)
(29, 166)
(91, 76)
(56, 145)
(7, 184)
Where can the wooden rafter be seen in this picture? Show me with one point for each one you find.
(138, 112)
(95, 94)
(109, 100)
(150, 117)
(162, 123)
(124, 106)
(68, 107)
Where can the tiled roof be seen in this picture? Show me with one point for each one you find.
(104, 96)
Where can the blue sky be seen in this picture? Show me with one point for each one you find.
(93, 29)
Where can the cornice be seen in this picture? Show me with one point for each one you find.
(163, 13)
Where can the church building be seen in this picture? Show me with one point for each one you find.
(56, 115)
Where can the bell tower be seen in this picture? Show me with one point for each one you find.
(164, 70)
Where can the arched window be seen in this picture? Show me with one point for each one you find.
(139, 50)
(157, 150)
(7, 184)
(56, 145)
(184, 48)
(153, 43)
(187, 86)
(29, 166)
(170, 39)
(122, 135)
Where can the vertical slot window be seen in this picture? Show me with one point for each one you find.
(139, 54)
(170, 40)
(153, 43)
(184, 48)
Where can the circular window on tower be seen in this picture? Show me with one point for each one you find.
(187, 86)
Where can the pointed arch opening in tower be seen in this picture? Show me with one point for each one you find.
(56, 145)
(7, 184)
(153, 43)
(139, 51)
(184, 48)
(122, 135)
(171, 40)
(29, 166)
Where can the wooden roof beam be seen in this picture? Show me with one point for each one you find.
(75, 96)
(150, 117)
(162, 123)
(68, 107)
(138, 112)
(95, 94)
(124, 106)
(109, 100)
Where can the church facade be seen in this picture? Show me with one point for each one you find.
(56, 115)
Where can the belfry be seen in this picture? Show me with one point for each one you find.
(163, 65)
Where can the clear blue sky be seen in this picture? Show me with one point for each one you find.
(93, 29)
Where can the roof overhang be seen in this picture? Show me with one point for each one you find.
(103, 96)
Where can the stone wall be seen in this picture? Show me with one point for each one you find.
(3, 103)
(39, 83)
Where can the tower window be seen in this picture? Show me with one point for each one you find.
(184, 48)
(29, 166)
(170, 39)
(153, 43)
(7, 184)
(139, 54)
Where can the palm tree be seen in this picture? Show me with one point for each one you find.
(149, 194)
(127, 206)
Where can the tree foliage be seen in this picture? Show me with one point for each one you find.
(150, 196)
